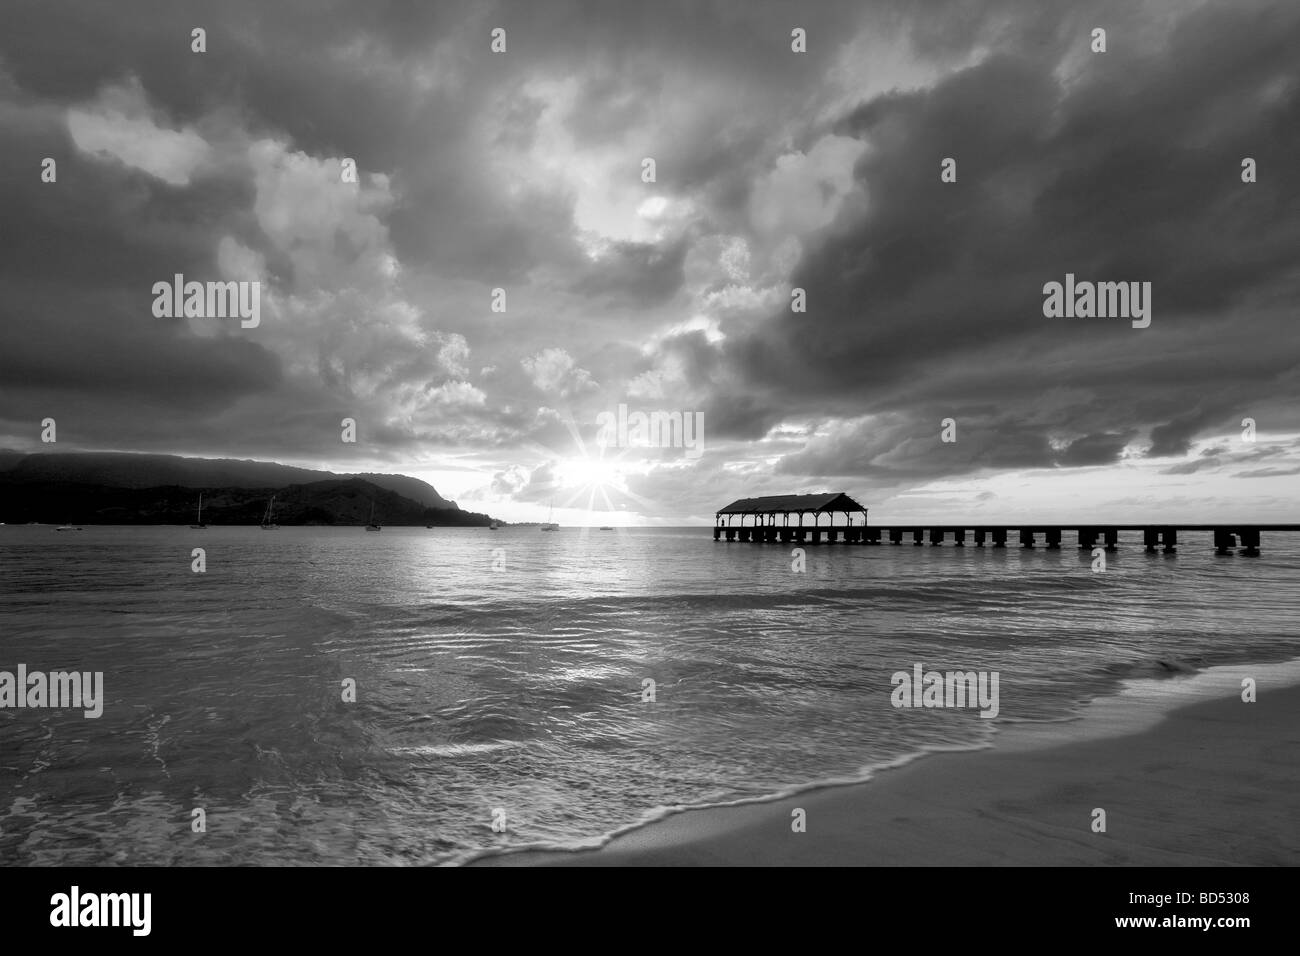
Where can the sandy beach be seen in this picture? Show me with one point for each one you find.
(1206, 783)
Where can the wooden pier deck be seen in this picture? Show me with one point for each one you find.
(764, 527)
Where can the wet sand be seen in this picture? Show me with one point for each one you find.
(1211, 783)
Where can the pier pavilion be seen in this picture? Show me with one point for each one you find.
(763, 513)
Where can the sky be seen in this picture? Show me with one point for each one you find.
(524, 171)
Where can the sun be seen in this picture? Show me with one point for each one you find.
(590, 474)
(592, 478)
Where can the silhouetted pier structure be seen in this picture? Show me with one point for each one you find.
(763, 527)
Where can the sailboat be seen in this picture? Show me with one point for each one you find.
(548, 524)
(268, 524)
(372, 526)
(199, 519)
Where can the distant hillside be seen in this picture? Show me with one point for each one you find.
(407, 487)
(127, 470)
(335, 502)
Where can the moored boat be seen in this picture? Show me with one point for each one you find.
(268, 519)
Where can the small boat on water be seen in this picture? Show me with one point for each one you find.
(372, 526)
(548, 524)
(199, 525)
(493, 526)
(268, 519)
(69, 526)
(606, 527)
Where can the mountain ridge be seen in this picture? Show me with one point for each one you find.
(126, 488)
(147, 470)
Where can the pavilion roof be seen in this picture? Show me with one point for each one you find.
(777, 504)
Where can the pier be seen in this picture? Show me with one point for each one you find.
(769, 520)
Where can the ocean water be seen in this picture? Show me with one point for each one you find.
(520, 689)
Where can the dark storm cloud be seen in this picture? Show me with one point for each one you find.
(78, 341)
(924, 298)
(635, 273)
(1268, 472)
(1090, 450)
(894, 452)
(78, 332)
(1191, 467)
(99, 225)
(1129, 171)
(271, 61)
(1174, 438)
(399, 88)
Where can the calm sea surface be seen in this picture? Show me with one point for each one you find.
(521, 689)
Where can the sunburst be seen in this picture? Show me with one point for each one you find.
(593, 478)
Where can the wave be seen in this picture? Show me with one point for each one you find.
(1131, 709)
(455, 750)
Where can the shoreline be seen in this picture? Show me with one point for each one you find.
(1187, 773)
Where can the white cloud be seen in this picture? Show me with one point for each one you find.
(554, 371)
(237, 261)
(120, 125)
(454, 354)
(460, 394)
(330, 230)
(804, 191)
